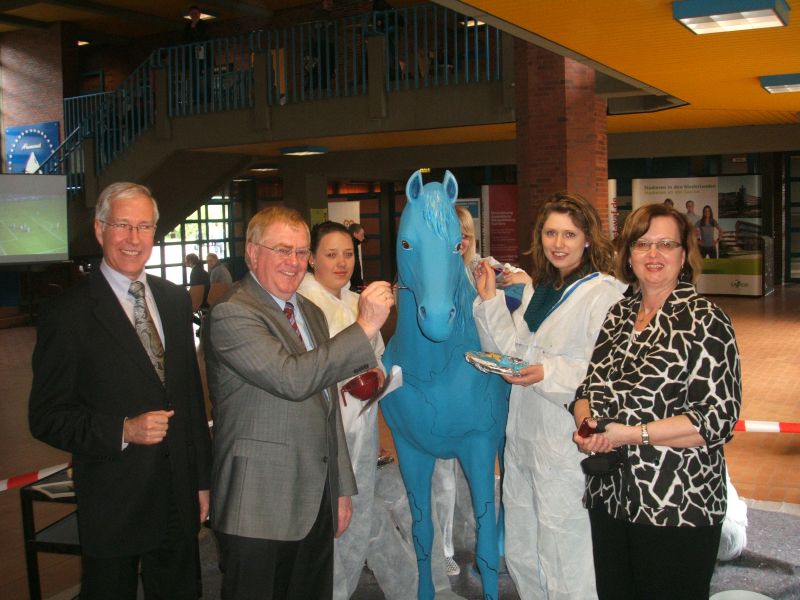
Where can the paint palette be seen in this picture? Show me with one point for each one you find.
(491, 362)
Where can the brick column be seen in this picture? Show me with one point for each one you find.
(561, 133)
(32, 76)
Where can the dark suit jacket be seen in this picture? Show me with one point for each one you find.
(278, 434)
(199, 276)
(90, 371)
(357, 278)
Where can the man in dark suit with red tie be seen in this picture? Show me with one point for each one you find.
(116, 382)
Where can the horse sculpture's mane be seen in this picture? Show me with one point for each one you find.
(435, 209)
(465, 295)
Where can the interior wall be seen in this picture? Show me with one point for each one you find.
(31, 76)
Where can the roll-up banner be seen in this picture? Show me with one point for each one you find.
(726, 214)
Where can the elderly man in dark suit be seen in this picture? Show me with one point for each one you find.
(281, 479)
(116, 382)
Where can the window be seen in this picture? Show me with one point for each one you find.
(214, 227)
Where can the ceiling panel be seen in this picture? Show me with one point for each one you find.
(716, 74)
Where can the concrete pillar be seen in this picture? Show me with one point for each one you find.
(561, 133)
(261, 109)
(388, 232)
(303, 188)
(376, 65)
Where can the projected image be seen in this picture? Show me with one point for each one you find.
(33, 219)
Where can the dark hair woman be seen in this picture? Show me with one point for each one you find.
(710, 233)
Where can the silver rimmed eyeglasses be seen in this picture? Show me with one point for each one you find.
(662, 246)
(149, 230)
(285, 252)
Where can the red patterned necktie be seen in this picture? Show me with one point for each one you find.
(288, 310)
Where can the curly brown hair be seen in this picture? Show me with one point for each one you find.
(598, 256)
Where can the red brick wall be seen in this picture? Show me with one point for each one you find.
(561, 133)
(31, 77)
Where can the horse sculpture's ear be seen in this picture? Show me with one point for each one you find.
(450, 186)
(414, 186)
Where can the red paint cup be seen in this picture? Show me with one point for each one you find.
(364, 387)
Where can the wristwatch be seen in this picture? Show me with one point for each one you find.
(645, 435)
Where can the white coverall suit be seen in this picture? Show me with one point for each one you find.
(361, 431)
(548, 543)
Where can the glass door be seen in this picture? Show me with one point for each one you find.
(793, 218)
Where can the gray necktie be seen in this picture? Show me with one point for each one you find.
(146, 329)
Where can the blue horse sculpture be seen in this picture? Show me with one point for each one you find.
(446, 408)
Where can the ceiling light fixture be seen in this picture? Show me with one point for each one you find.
(303, 150)
(264, 168)
(82, 43)
(204, 16)
(717, 16)
(781, 84)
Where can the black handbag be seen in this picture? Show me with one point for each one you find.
(606, 462)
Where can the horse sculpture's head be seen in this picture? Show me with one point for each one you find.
(428, 259)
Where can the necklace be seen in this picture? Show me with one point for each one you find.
(645, 315)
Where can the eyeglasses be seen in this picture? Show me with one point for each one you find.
(286, 253)
(662, 246)
(148, 230)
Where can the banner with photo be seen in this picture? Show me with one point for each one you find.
(726, 213)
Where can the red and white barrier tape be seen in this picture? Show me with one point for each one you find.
(20, 480)
(742, 425)
(767, 426)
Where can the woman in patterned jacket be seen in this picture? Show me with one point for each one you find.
(665, 374)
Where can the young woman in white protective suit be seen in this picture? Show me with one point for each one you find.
(548, 541)
(333, 260)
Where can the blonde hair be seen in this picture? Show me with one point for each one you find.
(467, 231)
(272, 215)
(598, 256)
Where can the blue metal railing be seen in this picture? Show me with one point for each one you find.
(67, 159)
(313, 61)
(210, 76)
(125, 114)
(434, 46)
(78, 110)
(424, 46)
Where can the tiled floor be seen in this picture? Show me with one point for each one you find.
(763, 466)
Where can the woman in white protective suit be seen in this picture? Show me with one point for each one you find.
(548, 549)
(332, 260)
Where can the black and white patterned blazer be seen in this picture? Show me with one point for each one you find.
(685, 362)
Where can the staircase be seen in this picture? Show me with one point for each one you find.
(176, 122)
